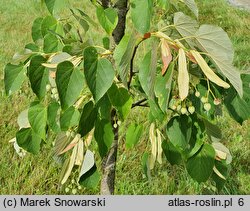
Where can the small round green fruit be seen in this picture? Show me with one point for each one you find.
(204, 99)
(191, 109)
(184, 110)
(207, 106)
(197, 94)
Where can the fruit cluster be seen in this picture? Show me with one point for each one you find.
(187, 108)
(54, 92)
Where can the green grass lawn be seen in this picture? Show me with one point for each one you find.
(39, 174)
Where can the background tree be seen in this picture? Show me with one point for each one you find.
(85, 91)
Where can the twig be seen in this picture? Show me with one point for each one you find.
(132, 73)
(139, 103)
(79, 35)
(143, 105)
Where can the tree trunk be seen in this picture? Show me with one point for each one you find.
(105, 3)
(109, 161)
(122, 8)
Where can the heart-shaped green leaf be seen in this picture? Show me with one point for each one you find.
(179, 131)
(37, 115)
(37, 29)
(69, 82)
(53, 117)
(88, 118)
(54, 5)
(38, 76)
(14, 76)
(108, 18)
(141, 12)
(104, 136)
(200, 166)
(49, 23)
(28, 140)
(69, 118)
(133, 135)
(99, 73)
(121, 100)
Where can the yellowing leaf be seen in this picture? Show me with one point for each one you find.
(183, 77)
(159, 141)
(165, 55)
(208, 71)
(153, 141)
(216, 171)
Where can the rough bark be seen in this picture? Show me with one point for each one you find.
(105, 3)
(118, 33)
(109, 161)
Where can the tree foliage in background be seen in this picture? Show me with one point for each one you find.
(87, 80)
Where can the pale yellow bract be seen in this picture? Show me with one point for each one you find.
(183, 77)
(216, 171)
(153, 141)
(80, 153)
(156, 148)
(209, 73)
(70, 165)
(159, 142)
